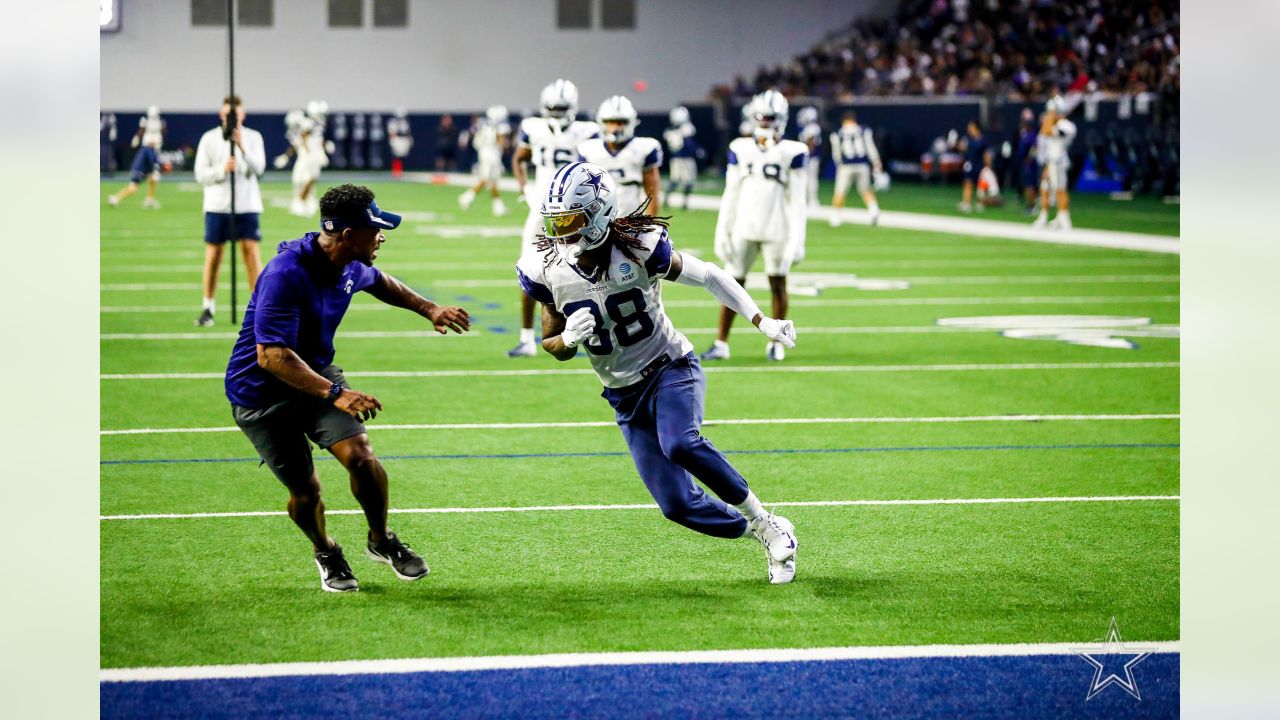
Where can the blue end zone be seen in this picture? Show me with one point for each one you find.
(1014, 687)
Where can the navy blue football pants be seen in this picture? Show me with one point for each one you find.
(660, 420)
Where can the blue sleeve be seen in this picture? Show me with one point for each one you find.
(733, 158)
(659, 261)
(524, 136)
(799, 160)
(535, 289)
(654, 158)
(368, 278)
(276, 311)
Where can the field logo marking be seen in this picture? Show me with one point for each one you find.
(1104, 331)
(1112, 651)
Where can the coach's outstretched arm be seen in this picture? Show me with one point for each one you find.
(689, 270)
(285, 364)
(395, 293)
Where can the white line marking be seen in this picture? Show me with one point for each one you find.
(542, 372)
(844, 302)
(514, 662)
(731, 421)
(651, 506)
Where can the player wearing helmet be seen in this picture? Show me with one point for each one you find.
(549, 142)
(811, 135)
(399, 139)
(632, 161)
(1056, 134)
(683, 153)
(762, 212)
(490, 142)
(146, 162)
(597, 276)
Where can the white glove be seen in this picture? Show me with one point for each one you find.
(582, 324)
(881, 183)
(280, 161)
(783, 331)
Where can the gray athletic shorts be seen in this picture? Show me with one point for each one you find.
(280, 432)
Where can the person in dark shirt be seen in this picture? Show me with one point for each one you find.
(285, 389)
(977, 155)
(1028, 170)
(446, 144)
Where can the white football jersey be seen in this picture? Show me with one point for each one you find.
(811, 135)
(853, 144)
(627, 167)
(552, 147)
(760, 194)
(633, 331)
(1053, 148)
(152, 133)
(488, 140)
(675, 136)
(398, 126)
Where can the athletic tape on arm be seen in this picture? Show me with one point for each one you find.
(698, 273)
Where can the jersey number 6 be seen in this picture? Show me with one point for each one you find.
(600, 342)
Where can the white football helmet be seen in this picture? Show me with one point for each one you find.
(617, 109)
(577, 209)
(807, 116)
(496, 114)
(679, 115)
(153, 111)
(1055, 105)
(293, 119)
(560, 102)
(769, 110)
(317, 110)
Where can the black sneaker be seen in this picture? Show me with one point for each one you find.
(205, 319)
(335, 573)
(402, 559)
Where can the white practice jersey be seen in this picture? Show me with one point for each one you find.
(675, 137)
(309, 148)
(811, 135)
(765, 192)
(398, 126)
(627, 167)
(552, 147)
(152, 133)
(632, 328)
(489, 140)
(1052, 148)
(854, 145)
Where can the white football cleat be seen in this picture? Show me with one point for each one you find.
(150, 204)
(718, 351)
(465, 200)
(522, 350)
(778, 536)
(298, 207)
(875, 217)
(781, 573)
(835, 218)
(774, 351)
(1041, 221)
(1061, 222)
(499, 208)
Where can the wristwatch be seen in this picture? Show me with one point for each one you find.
(335, 390)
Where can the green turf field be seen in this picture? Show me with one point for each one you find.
(208, 590)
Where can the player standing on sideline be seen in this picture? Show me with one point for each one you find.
(1056, 134)
(682, 153)
(284, 388)
(811, 135)
(550, 142)
(399, 139)
(597, 278)
(146, 162)
(857, 161)
(762, 212)
(631, 161)
(977, 156)
(214, 165)
(490, 141)
(1028, 170)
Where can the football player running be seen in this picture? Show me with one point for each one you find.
(146, 162)
(1056, 134)
(631, 161)
(597, 276)
(549, 142)
(857, 160)
(684, 153)
(490, 141)
(811, 136)
(762, 212)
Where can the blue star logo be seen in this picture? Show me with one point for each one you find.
(1113, 663)
(595, 180)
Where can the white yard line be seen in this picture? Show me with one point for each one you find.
(946, 419)
(559, 660)
(650, 506)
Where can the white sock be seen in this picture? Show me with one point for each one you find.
(526, 336)
(209, 304)
(873, 207)
(751, 507)
(1063, 215)
(1043, 216)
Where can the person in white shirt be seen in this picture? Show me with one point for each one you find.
(1056, 134)
(490, 141)
(216, 163)
(763, 211)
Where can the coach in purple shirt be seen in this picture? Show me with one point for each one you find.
(284, 388)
